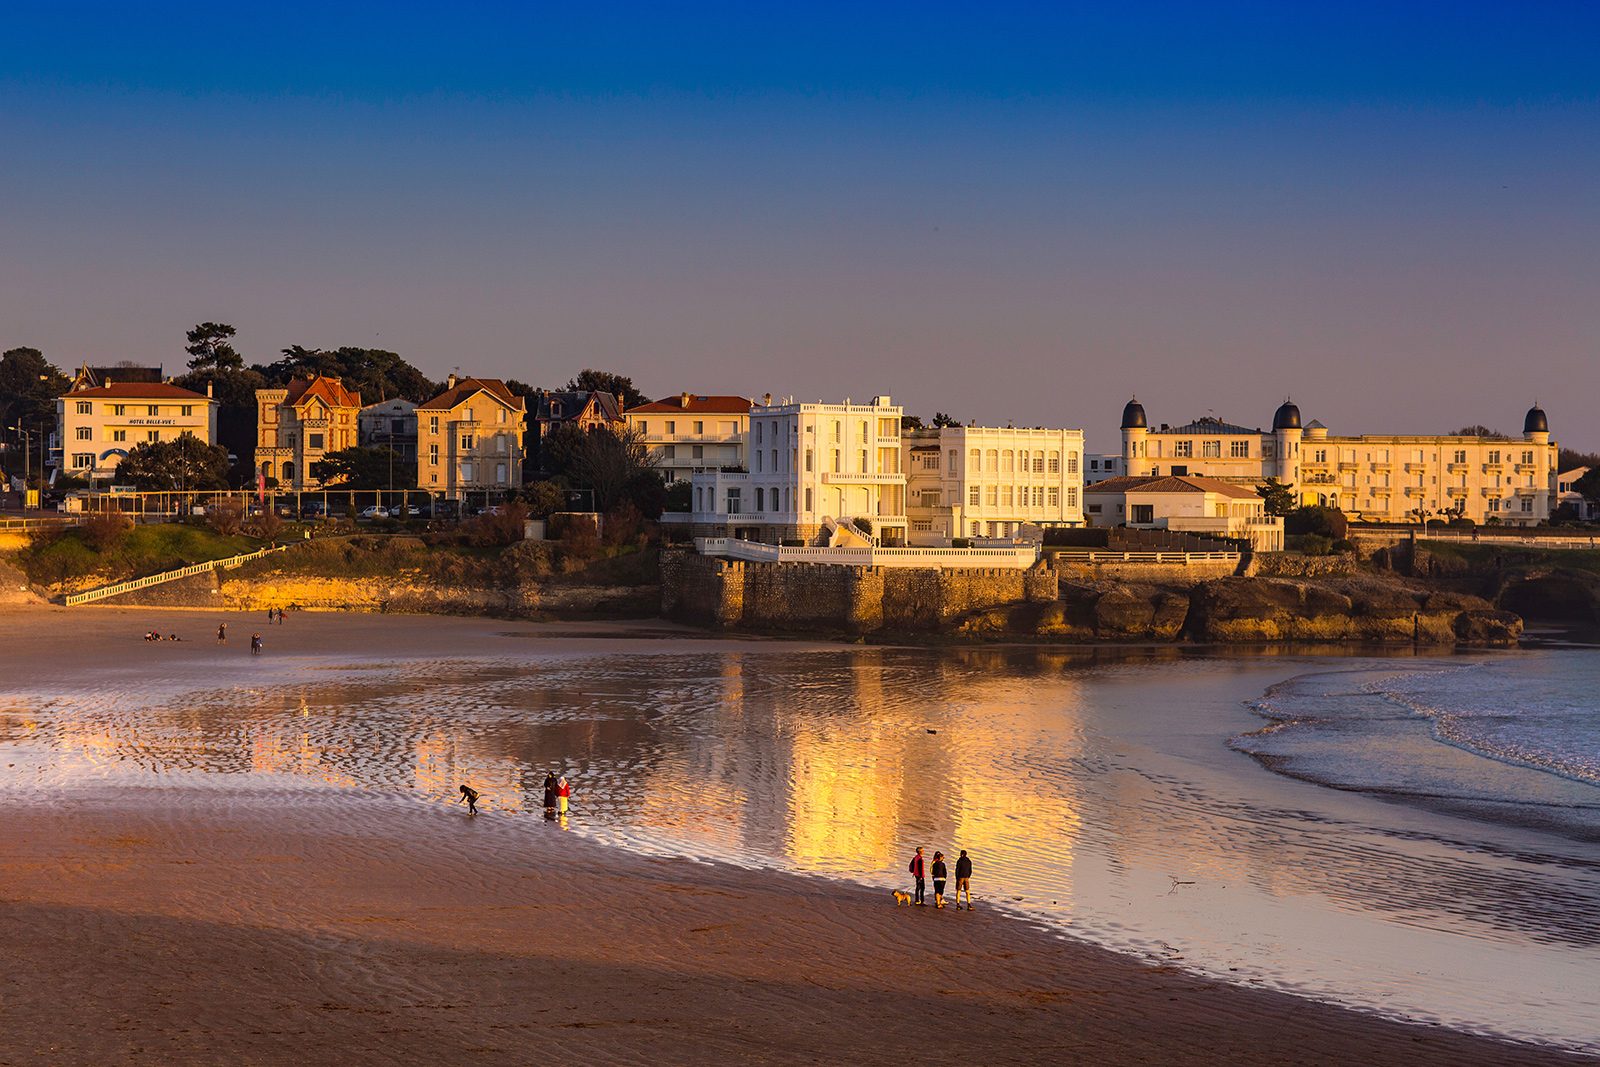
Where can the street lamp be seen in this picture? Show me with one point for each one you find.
(27, 460)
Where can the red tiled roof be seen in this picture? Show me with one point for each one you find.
(330, 391)
(703, 405)
(136, 391)
(1182, 483)
(466, 387)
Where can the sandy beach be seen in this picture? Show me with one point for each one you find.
(241, 917)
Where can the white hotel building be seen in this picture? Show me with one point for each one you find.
(972, 481)
(843, 472)
(687, 432)
(100, 423)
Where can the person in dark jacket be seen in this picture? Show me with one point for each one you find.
(916, 872)
(470, 795)
(963, 879)
(939, 876)
(550, 791)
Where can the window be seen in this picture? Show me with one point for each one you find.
(1094, 509)
(974, 461)
(314, 441)
(1055, 463)
(1072, 496)
(1008, 462)
(930, 498)
(760, 499)
(1038, 463)
(1319, 456)
(433, 455)
(992, 461)
(757, 456)
(697, 451)
(433, 424)
(469, 441)
(500, 416)
(1183, 449)
(152, 435)
(119, 435)
(669, 451)
(84, 433)
(772, 460)
(991, 496)
(1038, 496)
(85, 406)
(672, 426)
(1460, 456)
(470, 417)
(1239, 449)
(1211, 449)
(466, 472)
(83, 459)
(1494, 455)
(836, 461)
(864, 467)
(500, 444)
(808, 499)
(500, 473)
(733, 501)
(1527, 457)
(397, 426)
(1145, 513)
(808, 461)
(119, 409)
(758, 433)
(433, 479)
(186, 410)
(1072, 463)
(972, 495)
(1527, 503)
(1006, 495)
(154, 409)
(1053, 494)
(836, 431)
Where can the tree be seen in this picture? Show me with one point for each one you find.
(376, 373)
(544, 499)
(910, 422)
(615, 464)
(186, 463)
(29, 385)
(1570, 459)
(1589, 485)
(606, 382)
(941, 421)
(1478, 430)
(364, 468)
(210, 345)
(1279, 497)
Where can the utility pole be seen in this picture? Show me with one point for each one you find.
(27, 461)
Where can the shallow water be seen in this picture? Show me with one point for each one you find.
(1097, 794)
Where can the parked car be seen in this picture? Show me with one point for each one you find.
(376, 511)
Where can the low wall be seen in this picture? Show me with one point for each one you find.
(1289, 565)
(733, 594)
(1162, 573)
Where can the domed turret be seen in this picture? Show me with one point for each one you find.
(1133, 416)
(1536, 422)
(1287, 417)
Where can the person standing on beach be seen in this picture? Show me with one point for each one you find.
(255, 644)
(563, 794)
(550, 786)
(963, 879)
(916, 872)
(470, 795)
(222, 634)
(939, 876)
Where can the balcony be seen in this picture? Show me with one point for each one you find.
(861, 478)
(1456, 468)
(694, 438)
(1457, 490)
(1348, 464)
(1493, 467)
(1526, 468)
(1415, 468)
(1416, 490)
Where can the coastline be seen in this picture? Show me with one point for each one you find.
(120, 858)
(404, 934)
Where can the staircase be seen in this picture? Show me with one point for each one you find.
(227, 564)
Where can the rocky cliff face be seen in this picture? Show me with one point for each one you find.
(1256, 610)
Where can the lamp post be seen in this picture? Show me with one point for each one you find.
(27, 460)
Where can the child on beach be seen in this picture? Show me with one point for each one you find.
(563, 793)
(470, 795)
(222, 634)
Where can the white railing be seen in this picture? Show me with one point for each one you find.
(1101, 555)
(1500, 537)
(168, 576)
(1017, 558)
(54, 523)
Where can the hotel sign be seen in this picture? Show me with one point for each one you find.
(152, 422)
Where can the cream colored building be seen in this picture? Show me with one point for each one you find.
(689, 432)
(1187, 504)
(300, 424)
(971, 481)
(100, 423)
(815, 472)
(1373, 477)
(469, 438)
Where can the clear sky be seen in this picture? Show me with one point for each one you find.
(1008, 212)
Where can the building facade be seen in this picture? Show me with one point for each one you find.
(469, 438)
(1372, 477)
(970, 481)
(688, 432)
(585, 409)
(1573, 503)
(815, 472)
(98, 424)
(300, 424)
(1187, 504)
(390, 424)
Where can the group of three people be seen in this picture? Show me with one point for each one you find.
(557, 795)
(939, 872)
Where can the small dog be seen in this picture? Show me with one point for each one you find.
(902, 898)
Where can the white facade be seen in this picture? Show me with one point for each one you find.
(811, 468)
(98, 425)
(1187, 504)
(692, 432)
(990, 482)
(1569, 497)
(1098, 466)
(1372, 477)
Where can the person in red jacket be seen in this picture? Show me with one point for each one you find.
(916, 872)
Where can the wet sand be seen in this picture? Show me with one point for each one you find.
(202, 925)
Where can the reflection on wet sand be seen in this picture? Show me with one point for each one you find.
(1071, 776)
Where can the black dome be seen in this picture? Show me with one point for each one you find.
(1536, 422)
(1133, 416)
(1287, 417)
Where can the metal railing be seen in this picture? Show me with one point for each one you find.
(1100, 555)
(1020, 557)
(169, 576)
(39, 524)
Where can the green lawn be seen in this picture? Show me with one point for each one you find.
(144, 550)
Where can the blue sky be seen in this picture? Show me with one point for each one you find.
(1013, 213)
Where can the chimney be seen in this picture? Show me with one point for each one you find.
(210, 387)
(683, 401)
(450, 382)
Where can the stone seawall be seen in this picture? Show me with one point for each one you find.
(819, 597)
(1158, 573)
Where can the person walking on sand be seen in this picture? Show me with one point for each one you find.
(563, 794)
(916, 872)
(470, 795)
(550, 786)
(939, 876)
(963, 879)
(255, 644)
(222, 634)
